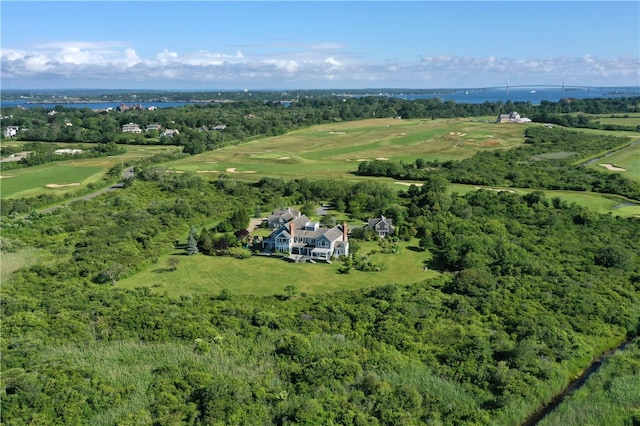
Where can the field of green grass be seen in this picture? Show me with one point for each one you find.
(334, 150)
(627, 159)
(260, 275)
(65, 176)
(626, 119)
(50, 177)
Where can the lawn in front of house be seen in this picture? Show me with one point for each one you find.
(262, 275)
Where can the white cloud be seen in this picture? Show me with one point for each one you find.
(102, 63)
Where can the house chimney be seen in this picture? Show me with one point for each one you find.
(292, 228)
(344, 231)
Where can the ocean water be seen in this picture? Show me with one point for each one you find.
(533, 94)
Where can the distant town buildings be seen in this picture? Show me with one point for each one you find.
(124, 107)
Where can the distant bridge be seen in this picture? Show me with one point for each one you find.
(563, 87)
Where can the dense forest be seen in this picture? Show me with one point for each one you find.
(530, 290)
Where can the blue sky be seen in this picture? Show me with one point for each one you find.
(317, 44)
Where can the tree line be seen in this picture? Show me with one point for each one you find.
(207, 126)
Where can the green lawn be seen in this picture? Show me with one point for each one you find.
(34, 180)
(627, 158)
(200, 274)
(334, 150)
(626, 119)
(74, 173)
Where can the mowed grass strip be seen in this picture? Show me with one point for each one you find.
(260, 275)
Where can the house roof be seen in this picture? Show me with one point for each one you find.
(376, 220)
(299, 224)
(286, 214)
(333, 233)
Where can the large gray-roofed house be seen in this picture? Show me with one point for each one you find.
(303, 237)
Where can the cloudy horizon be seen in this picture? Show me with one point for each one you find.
(288, 54)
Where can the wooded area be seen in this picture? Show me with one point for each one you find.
(528, 290)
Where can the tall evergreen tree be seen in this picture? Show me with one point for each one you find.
(192, 242)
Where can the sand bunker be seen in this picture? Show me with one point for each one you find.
(613, 168)
(382, 158)
(409, 184)
(5, 176)
(234, 170)
(284, 158)
(55, 185)
(497, 190)
(337, 133)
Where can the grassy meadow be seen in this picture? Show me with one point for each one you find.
(69, 175)
(626, 119)
(334, 150)
(261, 275)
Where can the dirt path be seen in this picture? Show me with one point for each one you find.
(254, 223)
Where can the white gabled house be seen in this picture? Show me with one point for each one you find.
(302, 237)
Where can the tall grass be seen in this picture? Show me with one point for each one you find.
(611, 396)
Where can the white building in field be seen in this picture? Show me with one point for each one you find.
(513, 117)
(11, 131)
